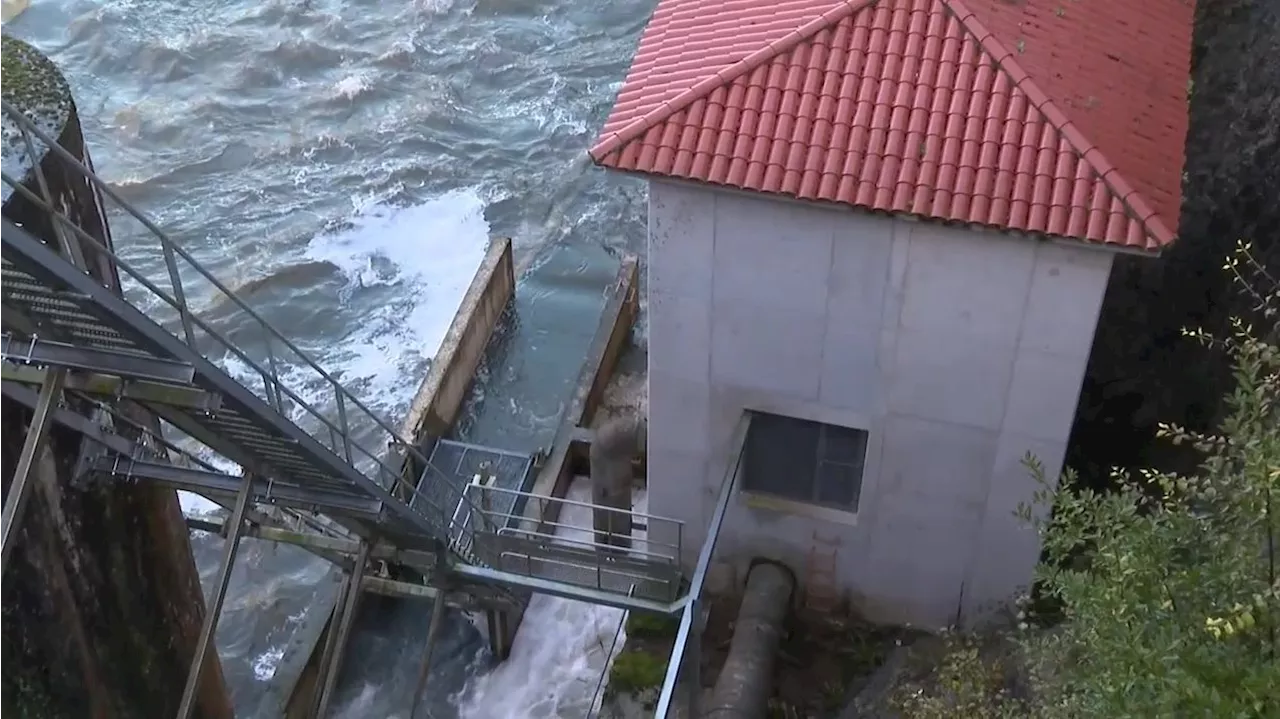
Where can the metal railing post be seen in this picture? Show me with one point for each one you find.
(179, 294)
(205, 644)
(350, 610)
(433, 632)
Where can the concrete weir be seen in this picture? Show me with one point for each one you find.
(545, 345)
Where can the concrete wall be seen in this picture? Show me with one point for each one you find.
(958, 350)
(435, 406)
(431, 413)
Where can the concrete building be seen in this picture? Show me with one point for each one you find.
(885, 230)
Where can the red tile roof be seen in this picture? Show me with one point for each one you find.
(1064, 118)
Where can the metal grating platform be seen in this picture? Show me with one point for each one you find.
(454, 465)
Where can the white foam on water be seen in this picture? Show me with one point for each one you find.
(195, 505)
(428, 254)
(265, 664)
(561, 651)
(433, 250)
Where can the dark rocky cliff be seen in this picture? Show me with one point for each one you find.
(1142, 371)
(102, 603)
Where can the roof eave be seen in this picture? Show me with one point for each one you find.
(1158, 233)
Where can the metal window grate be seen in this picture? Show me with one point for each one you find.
(805, 461)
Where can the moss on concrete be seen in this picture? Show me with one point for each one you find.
(651, 626)
(634, 671)
(36, 87)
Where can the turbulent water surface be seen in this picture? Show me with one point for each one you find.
(342, 163)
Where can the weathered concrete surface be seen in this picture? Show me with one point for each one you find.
(102, 600)
(435, 407)
(614, 446)
(956, 351)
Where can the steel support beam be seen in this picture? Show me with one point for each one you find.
(259, 520)
(110, 386)
(404, 590)
(20, 488)
(35, 351)
(418, 559)
(205, 644)
(184, 422)
(72, 421)
(31, 255)
(433, 633)
(591, 595)
(337, 644)
(330, 649)
(204, 482)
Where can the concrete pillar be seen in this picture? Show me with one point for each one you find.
(102, 599)
(614, 445)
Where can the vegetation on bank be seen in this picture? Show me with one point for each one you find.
(638, 670)
(1161, 596)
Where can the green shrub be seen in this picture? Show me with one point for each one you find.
(1174, 611)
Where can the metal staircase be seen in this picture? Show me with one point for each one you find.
(338, 459)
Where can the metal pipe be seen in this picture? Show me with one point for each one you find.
(593, 710)
(20, 489)
(693, 661)
(205, 643)
(433, 633)
(572, 502)
(746, 681)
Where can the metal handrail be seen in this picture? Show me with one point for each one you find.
(272, 385)
(651, 520)
(552, 538)
(592, 711)
(733, 471)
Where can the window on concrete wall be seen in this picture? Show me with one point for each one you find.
(804, 461)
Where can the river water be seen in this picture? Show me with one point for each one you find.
(344, 163)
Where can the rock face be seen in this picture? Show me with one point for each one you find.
(102, 601)
(1142, 371)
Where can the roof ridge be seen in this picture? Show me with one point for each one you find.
(1004, 59)
(637, 127)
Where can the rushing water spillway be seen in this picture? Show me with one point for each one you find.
(341, 165)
